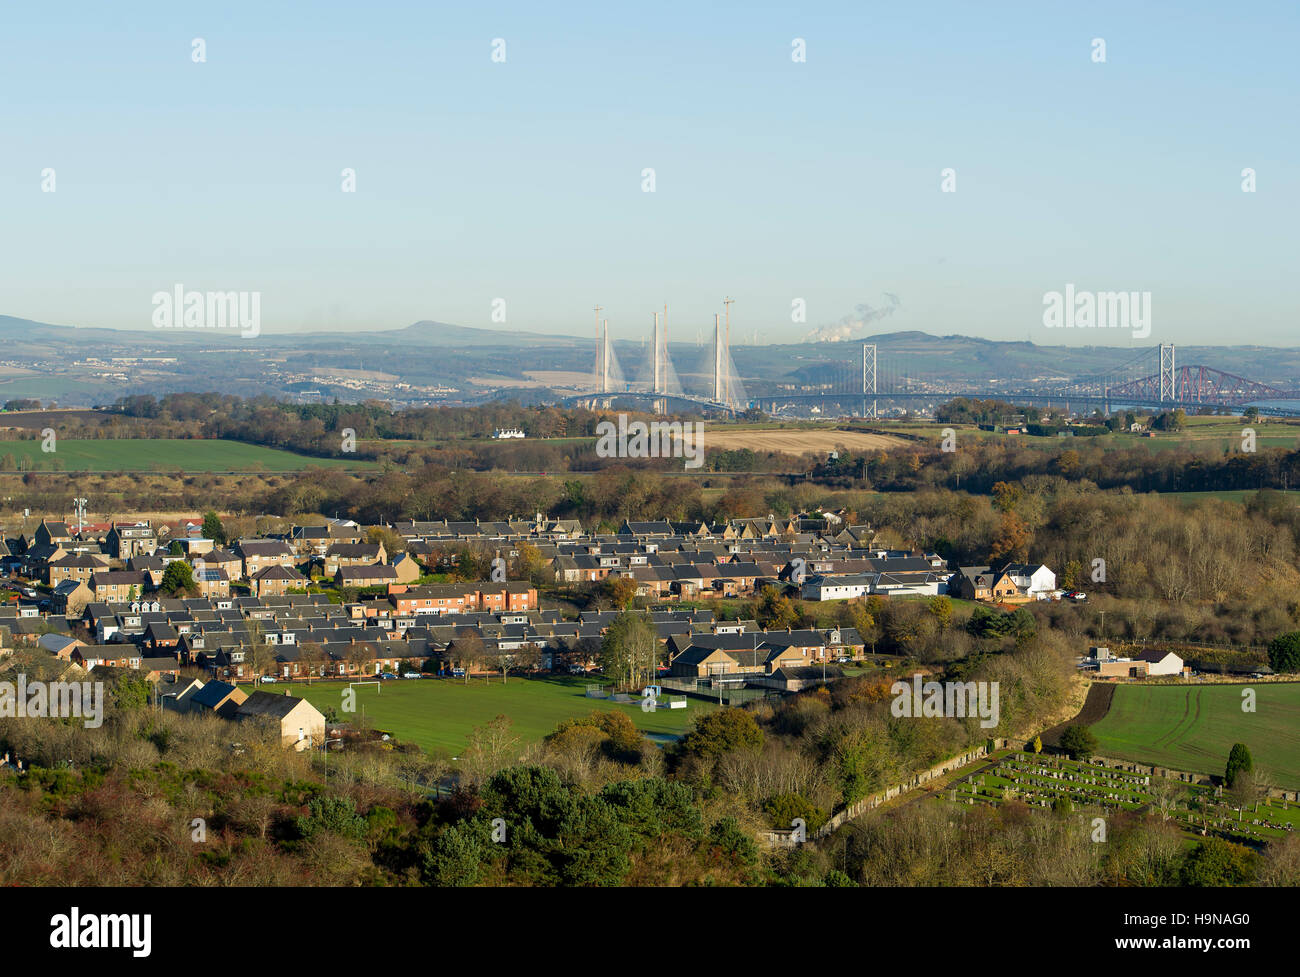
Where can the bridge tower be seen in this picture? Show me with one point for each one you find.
(717, 359)
(726, 304)
(658, 377)
(604, 359)
(869, 378)
(1168, 386)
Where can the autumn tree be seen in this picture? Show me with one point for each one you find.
(941, 607)
(775, 611)
(620, 590)
(1012, 539)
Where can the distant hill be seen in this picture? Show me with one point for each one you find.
(474, 363)
(424, 333)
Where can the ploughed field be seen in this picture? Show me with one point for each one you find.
(1193, 727)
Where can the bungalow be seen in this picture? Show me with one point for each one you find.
(850, 586)
(1161, 662)
(114, 656)
(176, 698)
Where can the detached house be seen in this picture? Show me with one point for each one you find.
(1033, 578)
(301, 724)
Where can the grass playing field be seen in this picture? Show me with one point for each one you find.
(440, 714)
(1194, 727)
(162, 454)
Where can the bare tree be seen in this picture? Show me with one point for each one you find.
(468, 650)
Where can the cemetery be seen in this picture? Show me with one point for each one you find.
(1062, 784)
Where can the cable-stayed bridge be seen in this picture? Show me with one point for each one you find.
(861, 384)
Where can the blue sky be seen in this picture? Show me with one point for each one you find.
(775, 180)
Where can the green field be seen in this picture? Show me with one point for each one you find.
(1204, 434)
(164, 454)
(1194, 727)
(440, 714)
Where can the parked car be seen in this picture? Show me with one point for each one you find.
(577, 670)
(268, 679)
(1077, 595)
(411, 675)
(387, 675)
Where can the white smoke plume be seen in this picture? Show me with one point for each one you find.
(856, 323)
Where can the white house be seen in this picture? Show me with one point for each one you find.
(1161, 662)
(844, 587)
(1033, 579)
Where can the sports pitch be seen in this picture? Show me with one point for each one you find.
(440, 714)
